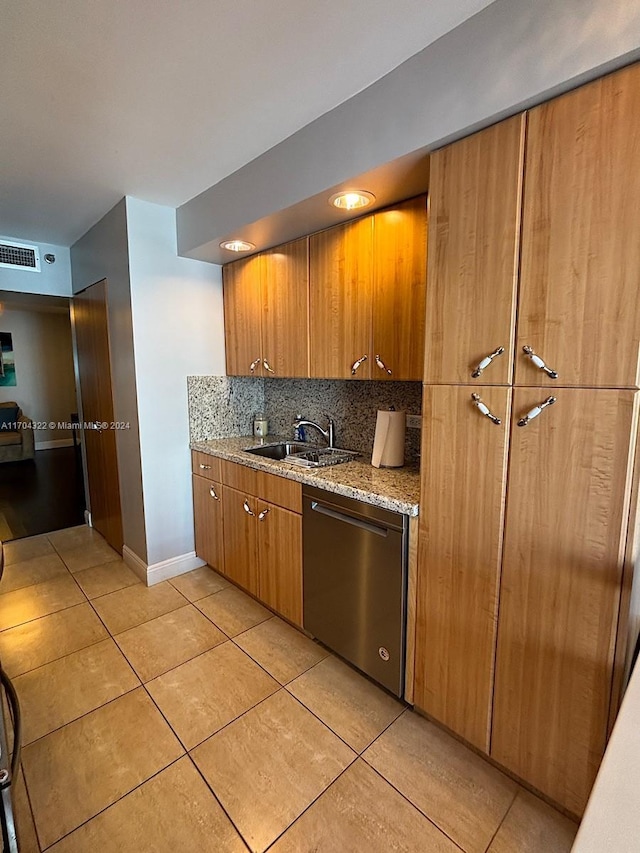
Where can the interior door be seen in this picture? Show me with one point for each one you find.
(567, 513)
(579, 308)
(340, 296)
(399, 287)
(475, 192)
(464, 462)
(89, 311)
(242, 283)
(285, 310)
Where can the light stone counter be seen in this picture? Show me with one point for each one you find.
(397, 489)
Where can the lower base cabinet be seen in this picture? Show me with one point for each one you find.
(250, 529)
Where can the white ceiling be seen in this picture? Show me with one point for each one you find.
(161, 100)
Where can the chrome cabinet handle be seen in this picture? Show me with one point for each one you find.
(205, 467)
(485, 409)
(213, 494)
(263, 514)
(254, 364)
(536, 411)
(486, 361)
(247, 508)
(268, 366)
(553, 374)
(356, 364)
(382, 365)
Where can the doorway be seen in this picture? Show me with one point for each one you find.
(41, 483)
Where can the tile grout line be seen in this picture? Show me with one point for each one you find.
(117, 800)
(504, 817)
(413, 805)
(215, 797)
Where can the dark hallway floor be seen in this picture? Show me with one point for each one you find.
(42, 495)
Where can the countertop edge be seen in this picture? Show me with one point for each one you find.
(323, 478)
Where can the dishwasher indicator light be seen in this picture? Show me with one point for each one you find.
(384, 653)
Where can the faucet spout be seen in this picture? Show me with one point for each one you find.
(329, 434)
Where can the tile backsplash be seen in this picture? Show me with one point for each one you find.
(223, 406)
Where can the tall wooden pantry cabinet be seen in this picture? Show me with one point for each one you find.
(529, 433)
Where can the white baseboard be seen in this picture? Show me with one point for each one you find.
(87, 518)
(135, 563)
(50, 445)
(163, 570)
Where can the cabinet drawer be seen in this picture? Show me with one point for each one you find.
(205, 465)
(269, 487)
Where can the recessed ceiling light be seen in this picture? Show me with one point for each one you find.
(237, 245)
(351, 199)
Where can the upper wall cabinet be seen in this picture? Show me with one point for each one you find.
(579, 308)
(474, 213)
(266, 312)
(367, 286)
(340, 278)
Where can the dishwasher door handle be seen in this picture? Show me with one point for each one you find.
(348, 519)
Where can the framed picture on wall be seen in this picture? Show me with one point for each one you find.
(7, 360)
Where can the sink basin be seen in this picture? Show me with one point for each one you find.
(277, 451)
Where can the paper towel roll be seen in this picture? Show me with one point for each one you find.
(388, 444)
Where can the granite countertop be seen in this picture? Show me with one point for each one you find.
(397, 489)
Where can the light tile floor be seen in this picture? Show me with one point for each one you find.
(188, 717)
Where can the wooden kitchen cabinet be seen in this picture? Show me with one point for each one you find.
(207, 511)
(242, 321)
(474, 239)
(240, 539)
(566, 525)
(399, 290)
(340, 280)
(579, 307)
(263, 537)
(266, 312)
(463, 469)
(367, 281)
(280, 560)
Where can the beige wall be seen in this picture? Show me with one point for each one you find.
(45, 388)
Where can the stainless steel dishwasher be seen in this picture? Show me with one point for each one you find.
(355, 582)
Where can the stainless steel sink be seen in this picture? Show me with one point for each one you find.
(277, 451)
(306, 455)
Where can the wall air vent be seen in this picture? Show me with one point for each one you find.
(19, 256)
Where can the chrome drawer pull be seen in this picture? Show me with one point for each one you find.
(486, 361)
(267, 366)
(205, 467)
(262, 515)
(356, 364)
(382, 365)
(247, 508)
(485, 409)
(254, 364)
(213, 494)
(553, 374)
(536, 411)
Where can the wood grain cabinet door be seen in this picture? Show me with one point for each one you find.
(280, 555)
(464, 456)
(399, 287)
(567, 514)
(285, 310)
(340, 290)
(475, 191)
(240, 537)
(207, 511)
(579, 308)
(242, 293)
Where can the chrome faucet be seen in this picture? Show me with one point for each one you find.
(329, 433)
